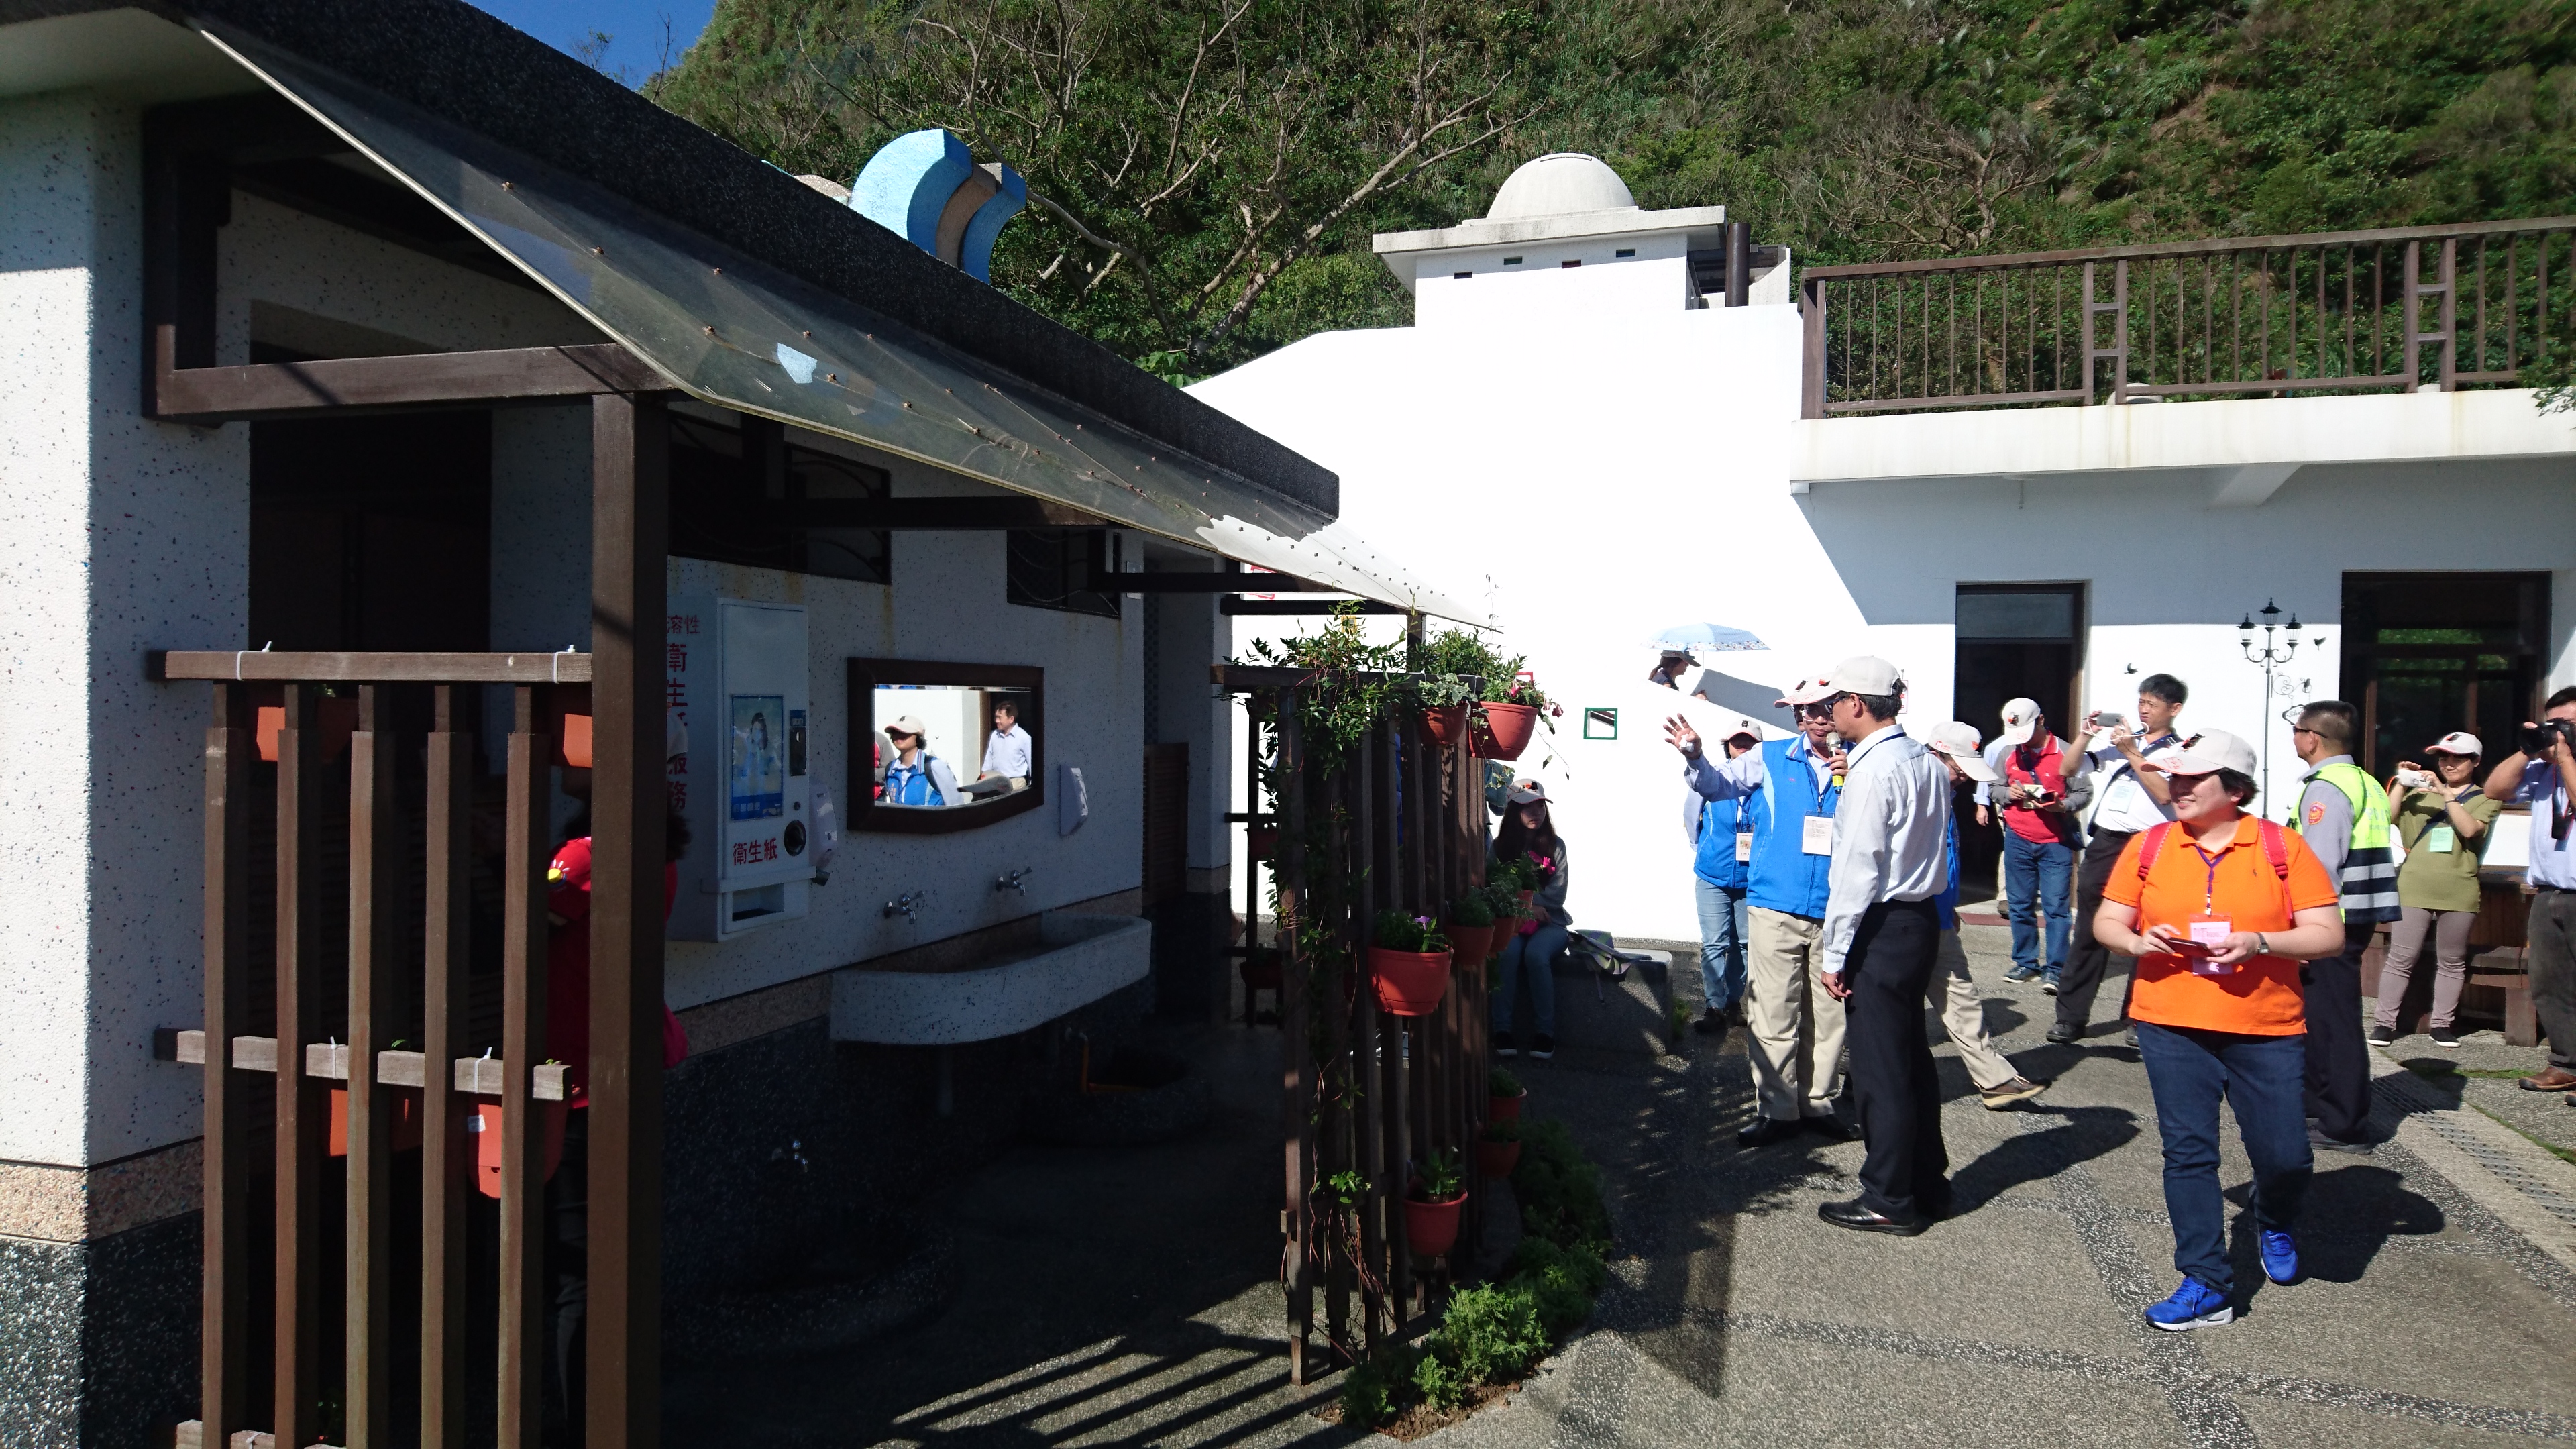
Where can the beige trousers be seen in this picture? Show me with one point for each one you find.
(1963, 1015)
(1797, 1029)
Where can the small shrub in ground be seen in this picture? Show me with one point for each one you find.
(1490, 1334)
(1559, 1192)
(1561, 1282)
(1439, 1386)
(1369, 1390)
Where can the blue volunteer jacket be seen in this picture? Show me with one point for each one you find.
(1784, 876)
(1714, 858)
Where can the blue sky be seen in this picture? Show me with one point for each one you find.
(635, 28)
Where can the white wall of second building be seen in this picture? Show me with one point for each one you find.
(123, 535)
(1605, 478)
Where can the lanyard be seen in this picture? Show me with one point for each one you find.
(1872, 743)
(2209, 887)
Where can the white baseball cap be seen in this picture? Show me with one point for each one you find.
(1805, 691)
(907, 725)
(1740, 727)
(2457, 742)
(2205, 753)
(1863, 674)
(2021, 719)
(1958, 740)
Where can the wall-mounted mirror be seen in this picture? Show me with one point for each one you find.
(939, 746)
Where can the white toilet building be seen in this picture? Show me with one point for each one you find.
(1641, 455)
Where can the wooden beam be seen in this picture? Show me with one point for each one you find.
(318, 667)
(210, 395)
(629, 547)
(1233, 604)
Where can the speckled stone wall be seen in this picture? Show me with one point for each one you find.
(99, 1346)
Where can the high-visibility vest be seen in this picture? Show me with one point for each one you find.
(2369, 883)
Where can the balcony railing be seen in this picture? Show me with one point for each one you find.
(2394, 310)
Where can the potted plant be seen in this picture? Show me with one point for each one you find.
(1470, 928)
(1512, 710)
(1408, 964)
(1431, 1209)
(1498, 1149)
(1445, 701)
(1505, 1094)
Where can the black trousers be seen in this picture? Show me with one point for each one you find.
(2338, 1061)
(1904, 1168)
(2088, 960)
(568, 1273)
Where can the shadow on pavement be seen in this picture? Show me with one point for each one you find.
(2350, 1214)
(2080, 1135)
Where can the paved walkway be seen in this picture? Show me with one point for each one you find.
(1109, 1298)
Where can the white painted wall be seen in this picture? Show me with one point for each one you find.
(122, 536)
(1510, 285)
(1606, 477)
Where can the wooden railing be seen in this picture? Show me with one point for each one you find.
(397, 1040)
(1366, 1091)
(2392, 310)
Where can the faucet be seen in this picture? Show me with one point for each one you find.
(904, 904)
(1016, 881)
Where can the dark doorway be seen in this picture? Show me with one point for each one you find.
(2425, 654)
(372, 532)
(2016, 641)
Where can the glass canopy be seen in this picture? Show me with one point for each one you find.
(735, 332)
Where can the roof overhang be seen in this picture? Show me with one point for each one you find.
(1404, 251)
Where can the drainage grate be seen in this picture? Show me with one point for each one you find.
(2436, 1113)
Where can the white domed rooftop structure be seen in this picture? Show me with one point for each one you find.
(1561, 183)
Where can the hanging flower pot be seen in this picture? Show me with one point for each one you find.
(1469, 945)
(485, 1124)
(1497, 1159)
(1446, 725)
(1501, 1108)
(1261, 971)
(406, 1122)
(1408, 983)
(1431, 1228)
(1502, 731)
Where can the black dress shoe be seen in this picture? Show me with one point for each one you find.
(1860, 1219)
(1766, 1131)
(1831, 1128)
(2064, 1035)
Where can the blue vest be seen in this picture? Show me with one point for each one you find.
(1784, 876)
(1716, 862)
(912, 786)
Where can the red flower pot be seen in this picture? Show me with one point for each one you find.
(1504, 730)
(1469, 943)
(1431, 1228)
(1505, 927)
(1408, 983)
(1261, 971)
(1505, 1109)
(1446, 725)
(406, 1122)
(487, 1142)
(1497, 1159)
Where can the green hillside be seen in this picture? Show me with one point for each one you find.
(1212, 169)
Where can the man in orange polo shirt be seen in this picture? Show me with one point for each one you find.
(2220, 907)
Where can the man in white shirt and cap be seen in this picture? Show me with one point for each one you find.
(1881, 939)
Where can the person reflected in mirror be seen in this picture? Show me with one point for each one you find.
(1529, 833)
(1007, 754)
(917, 777)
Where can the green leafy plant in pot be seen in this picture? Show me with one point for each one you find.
(1503, 905)
(1470, 929)
(1505, 1094)
(1498, 1149)
(1431, 1209)
(1446, 702)
(1408, 964)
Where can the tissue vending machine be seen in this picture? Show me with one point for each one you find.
(738, 686)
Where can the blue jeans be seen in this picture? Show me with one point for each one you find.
(2038, 874)
(1527, 956)
(2264, 1078)
(1722, 934)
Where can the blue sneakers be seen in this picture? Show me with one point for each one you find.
(2021, 973)
(2193, 1305)
(2280, 1257)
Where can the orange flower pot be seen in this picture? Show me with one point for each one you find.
(1446, 725)
(1469, 943)
(485, 1124)
(1408, 983)
(1431, 1228)
(1505, 1109)
(406, 1122)
(1497, 1159)
(1502, 731)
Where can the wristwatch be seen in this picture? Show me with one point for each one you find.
(2262, 944)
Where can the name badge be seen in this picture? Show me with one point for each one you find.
(2212, 934)
(2441, 839)
(1743, 846)
(1817, 836)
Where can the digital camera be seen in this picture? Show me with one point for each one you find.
(2546, 735)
